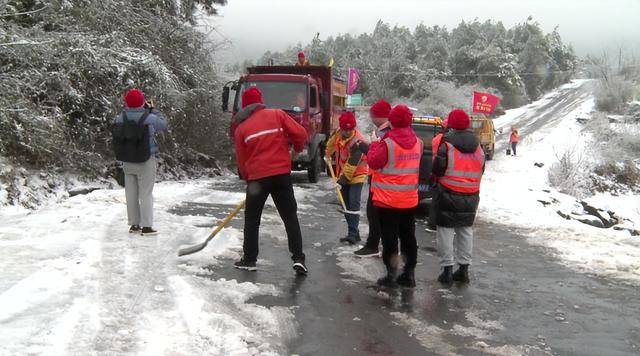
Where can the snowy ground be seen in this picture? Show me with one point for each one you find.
(512, 187)
(73, 280)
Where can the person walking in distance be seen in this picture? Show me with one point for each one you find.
(396, 163)
(262, 139)
(458, 166)
(134, 132)
(379, 114)
(513, 139)
(351, 170)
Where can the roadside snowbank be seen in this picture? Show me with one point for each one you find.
(516, 192)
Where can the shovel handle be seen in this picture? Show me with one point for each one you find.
(335, 181)
(226, 220)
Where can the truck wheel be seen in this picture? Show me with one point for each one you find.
(489, 154)
(315, 167)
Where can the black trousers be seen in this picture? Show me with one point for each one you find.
(281, 190)
(399, 224)
(375, 231)
(514, 146)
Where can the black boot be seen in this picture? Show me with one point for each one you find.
(407, 279)
(446, 276)
(388, 281)
(462, 274)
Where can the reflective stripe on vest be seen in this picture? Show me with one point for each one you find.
(395, 187)
(390, 168)
(464, 170)
(396, 184)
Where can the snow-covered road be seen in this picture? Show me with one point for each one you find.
(74, 282)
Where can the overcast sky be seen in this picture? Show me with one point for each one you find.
(255, 26)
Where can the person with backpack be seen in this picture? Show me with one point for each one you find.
(262, 138)
(135, 146)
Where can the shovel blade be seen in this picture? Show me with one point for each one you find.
(191, 249)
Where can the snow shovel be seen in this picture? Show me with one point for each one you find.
(340, 197)
(200, 247)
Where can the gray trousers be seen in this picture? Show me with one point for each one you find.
(454, 242)
(139, 179)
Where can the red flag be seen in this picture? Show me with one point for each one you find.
(484, 103)
(354, 78)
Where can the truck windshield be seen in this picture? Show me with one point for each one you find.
(288, 96)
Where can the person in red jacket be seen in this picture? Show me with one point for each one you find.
(262, 151)
(396, 161)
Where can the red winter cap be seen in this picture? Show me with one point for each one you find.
(300, 54)
(445, 124)
(250, 96)
(347, 121)
(134, 98)
(381, 108)
(458, 119)
(400, 116)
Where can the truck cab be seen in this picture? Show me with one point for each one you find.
(310, 95)
(426, 128)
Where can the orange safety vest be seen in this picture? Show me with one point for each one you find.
(396, 184)
(464, 170)
(435, 144)
(344, 152)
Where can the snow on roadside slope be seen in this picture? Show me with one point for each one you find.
(73, 281)
(512, 187)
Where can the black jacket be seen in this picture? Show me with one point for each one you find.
(455, 209)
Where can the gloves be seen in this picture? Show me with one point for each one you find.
(342, 181)
(149, 105)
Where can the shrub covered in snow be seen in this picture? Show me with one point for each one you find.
(568, 174)
(613, 94)
(65, 65)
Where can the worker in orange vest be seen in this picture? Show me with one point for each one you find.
(435, 143)
(302, 60)
(396, 161)
(513, 139)
(459, 166)
(351, 170)
(379, 114)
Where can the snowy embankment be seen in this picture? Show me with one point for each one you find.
(516, 192)
(73, 280)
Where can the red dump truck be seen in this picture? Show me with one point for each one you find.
(310, 95)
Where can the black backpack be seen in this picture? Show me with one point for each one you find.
(131, 139)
